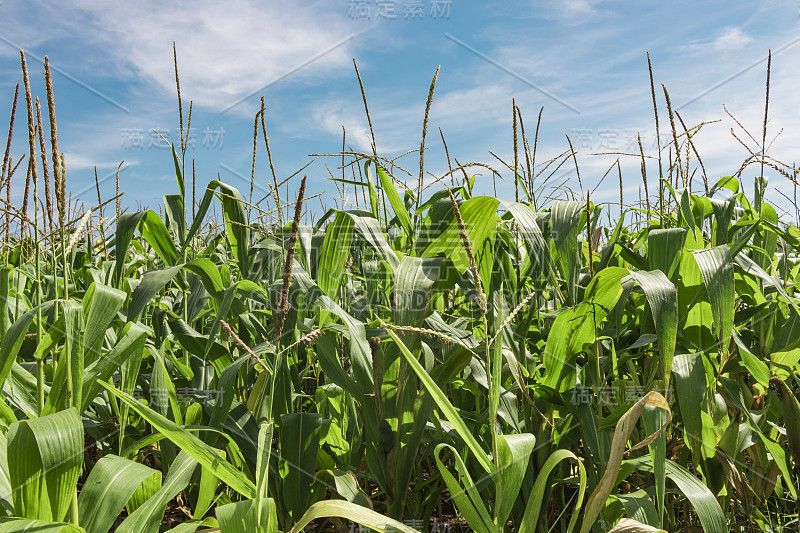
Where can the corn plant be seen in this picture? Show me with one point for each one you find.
(426, 353)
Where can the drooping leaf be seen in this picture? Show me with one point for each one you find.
(27, 525)
(197, 449)
(663, 300)
(110, 486)
(716, 266)
(624, 428)
(350, 511)
(44, 463)
(533, 508)
(147, 517)
(464, 492)
(702, 499)
(513, 457)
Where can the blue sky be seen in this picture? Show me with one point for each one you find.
(583, 60)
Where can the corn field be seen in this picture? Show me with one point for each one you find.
(425, 358)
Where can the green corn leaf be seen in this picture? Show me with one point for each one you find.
(69, 374)
(373, 191)
(12, 340)
(178, 173)
(27, 525)
(480, 218)
(334, 254)
(157, 235)
(371, 231)
(757, 368)
(779, 456)
(513, 458)
(716, 266)
(242, 517)
(147, 517)
(360, 352)
(209, 275)
(444, 404)
(346, 485)
(226, 386)
(538, 250)
(6, 501)
(533, 508)
(653, 419)
(5, 278)
(702, 499)
(126, 353)
(110, 486)
(464, 492)
(238, 230)
(751, 267)
(663, 300)
(152, 282)
(395, 201)
(126, 226)
(565, 219)
(791, 415)
(574, 329)
(726, 182)
(207, 487)
(174, 212)
(299, 446)
(44, 463)
(100, 305)
(690, 387)
(350, 511)
(415, 278)
(222, 313)
(200, 451)
(723, 213)
(639, 507)
(664, 247)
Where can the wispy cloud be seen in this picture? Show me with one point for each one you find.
(224, 51)
(732, 39)
(82, 161)
(356, 128)
(578, 7)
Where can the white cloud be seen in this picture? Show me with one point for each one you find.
(732, 39)
(80, 161)
(225, 51)
(488, 103)
(578, 7)
(357, 131)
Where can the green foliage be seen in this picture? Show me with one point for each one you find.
(514, 363)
